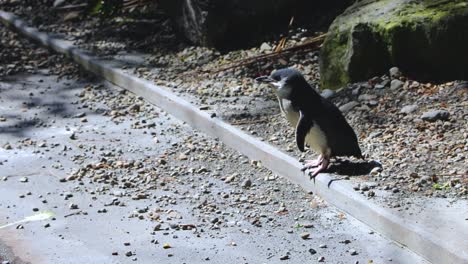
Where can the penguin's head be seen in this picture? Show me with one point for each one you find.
(288, 82)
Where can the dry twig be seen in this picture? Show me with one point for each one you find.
(311, 44)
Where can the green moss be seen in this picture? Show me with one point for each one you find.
(391, 21)
(335, 48)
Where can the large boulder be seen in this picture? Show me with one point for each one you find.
(227, 24)
(426, 39)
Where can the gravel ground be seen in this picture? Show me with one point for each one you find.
(128, 183)
(417, 131)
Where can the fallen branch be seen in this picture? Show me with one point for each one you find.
(311, 44)
(68, 7)
(75, 213)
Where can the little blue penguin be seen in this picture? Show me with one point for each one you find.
(318, 122)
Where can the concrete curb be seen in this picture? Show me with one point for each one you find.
(340, 193)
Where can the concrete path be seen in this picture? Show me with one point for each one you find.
(210, 205)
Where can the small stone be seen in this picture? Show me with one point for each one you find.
(395, 72)
(321, 259)
(357, 187)
(229, 179)
(71, 177)
(364, 187)
(182, 156)
(139, 196)
(348, 106)
(408, 109)
(435, 115)
(322, 246)
(47, 225)
(247, 183)
(265, 47)
(73, 206)
(414, 84)
(7, 146)
(353, 252)
(72, 136)
(312, 251)
(284, 257)
(396, 84)
(115, 253)
(166, 246)
(128, 253)
(35, 209)
(24, 179)
(80, 115)
(356, 91)
(327, 93)
(375, 134)
(305, 235)
(366, 97)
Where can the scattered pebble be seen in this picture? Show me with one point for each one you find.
(166, 246)
(23, 179)
(435, 115)
(396, 85)
(395, 72)
(408, 109)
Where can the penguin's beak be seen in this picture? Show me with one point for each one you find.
(265, 79)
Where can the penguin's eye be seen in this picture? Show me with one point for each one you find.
(276, 77)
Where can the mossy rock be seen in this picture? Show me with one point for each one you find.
(426, 39)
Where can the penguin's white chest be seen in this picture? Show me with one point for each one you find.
(315, 138)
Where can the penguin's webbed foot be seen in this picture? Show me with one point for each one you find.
(312, 163)
(313, 174)
(323, 166)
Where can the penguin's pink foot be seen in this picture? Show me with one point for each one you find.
(323, 166)
(312, 163)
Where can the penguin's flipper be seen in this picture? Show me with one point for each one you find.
(302, 128)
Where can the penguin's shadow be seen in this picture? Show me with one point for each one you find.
(348, 168)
